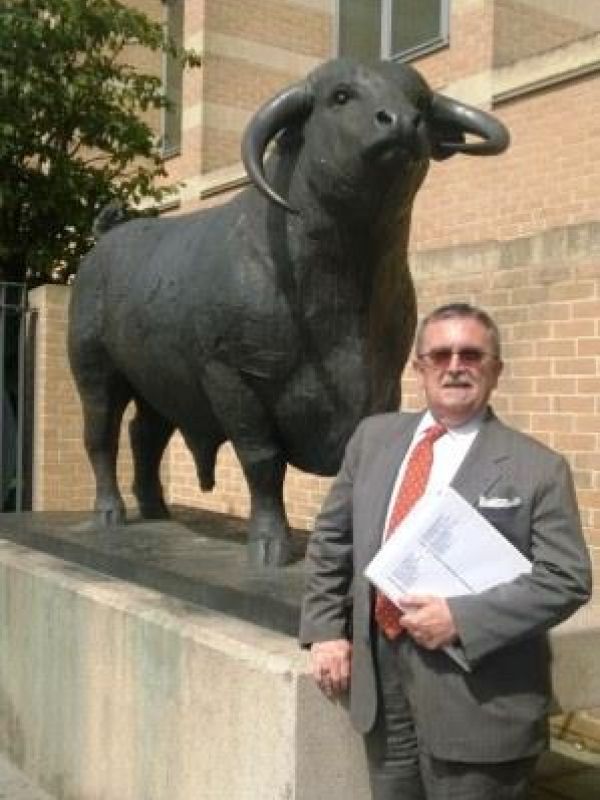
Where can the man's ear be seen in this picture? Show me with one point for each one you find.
(418, 369)
(499, 369)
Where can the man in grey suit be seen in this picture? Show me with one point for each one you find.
(432, 728)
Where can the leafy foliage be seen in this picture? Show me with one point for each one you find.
(74, 132)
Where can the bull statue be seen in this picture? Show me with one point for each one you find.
(281, 318)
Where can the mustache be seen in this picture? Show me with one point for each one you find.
(458, 381)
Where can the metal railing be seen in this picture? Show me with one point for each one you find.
(13, 330)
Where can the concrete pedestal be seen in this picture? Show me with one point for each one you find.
(110, 690)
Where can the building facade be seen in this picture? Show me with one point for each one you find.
(518, 234)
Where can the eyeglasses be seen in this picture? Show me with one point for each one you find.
(440, 357)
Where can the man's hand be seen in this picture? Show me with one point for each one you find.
(330, 664)
(428, 620)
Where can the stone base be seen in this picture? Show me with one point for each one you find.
(576, 660)
(197, 555)
(112, 690)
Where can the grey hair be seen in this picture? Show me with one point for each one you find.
(460, 311)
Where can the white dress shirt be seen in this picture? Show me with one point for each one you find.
(449, 452)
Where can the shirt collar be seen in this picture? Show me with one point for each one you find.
(472, 426)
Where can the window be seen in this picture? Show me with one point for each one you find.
(173, 80)
(398, 29)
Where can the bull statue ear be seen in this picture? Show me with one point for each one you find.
(452, 120)
(289, 106)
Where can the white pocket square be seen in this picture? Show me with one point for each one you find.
(499, 502)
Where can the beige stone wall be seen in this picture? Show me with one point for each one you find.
(523, 28)
(112, 690)
(249, 49)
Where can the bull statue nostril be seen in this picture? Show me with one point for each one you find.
(384, 117)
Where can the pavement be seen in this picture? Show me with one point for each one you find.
(567, 772)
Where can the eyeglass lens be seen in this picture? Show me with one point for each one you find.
(441, 357)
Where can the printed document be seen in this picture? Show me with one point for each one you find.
(444, 547)
(447, 548)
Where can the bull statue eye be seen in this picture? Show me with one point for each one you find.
(341, 96)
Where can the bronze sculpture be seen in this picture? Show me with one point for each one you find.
(281, 318)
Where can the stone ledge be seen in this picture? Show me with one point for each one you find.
(576, 660)
(198, 556)
(112, 690)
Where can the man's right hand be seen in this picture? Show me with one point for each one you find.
(330, 663)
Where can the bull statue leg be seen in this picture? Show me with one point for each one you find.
(268, 535)
(149, 434)
(104, 397)
(246, 424)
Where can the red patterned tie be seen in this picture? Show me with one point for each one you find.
(410, 490)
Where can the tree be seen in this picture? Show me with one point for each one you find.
(74, 131)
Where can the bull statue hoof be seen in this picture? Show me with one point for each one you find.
(154, 511)
(269, 552)
(110, 516)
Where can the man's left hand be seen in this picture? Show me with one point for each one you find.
(427, 619)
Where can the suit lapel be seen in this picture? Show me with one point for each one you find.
(483, 465)
(385, 471)
(481, 469)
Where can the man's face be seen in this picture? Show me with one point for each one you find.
(457, 369)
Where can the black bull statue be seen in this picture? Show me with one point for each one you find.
(280, 319)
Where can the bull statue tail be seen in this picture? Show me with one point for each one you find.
(111, 215)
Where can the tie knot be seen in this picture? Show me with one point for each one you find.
(434, 432)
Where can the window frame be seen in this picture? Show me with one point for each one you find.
(385, 46)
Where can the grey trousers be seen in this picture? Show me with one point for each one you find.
(398, 771)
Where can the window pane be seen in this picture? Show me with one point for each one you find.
(360, 28)
(414, 23)
(173, 79)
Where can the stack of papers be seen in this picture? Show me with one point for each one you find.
(444, 547)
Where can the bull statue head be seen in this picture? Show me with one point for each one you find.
(385, 109)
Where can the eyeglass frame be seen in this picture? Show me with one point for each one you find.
(445, 355)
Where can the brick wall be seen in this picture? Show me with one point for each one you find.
(62, 478)
(544, 291)
(548, 178)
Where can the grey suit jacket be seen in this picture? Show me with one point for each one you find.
(496, 712)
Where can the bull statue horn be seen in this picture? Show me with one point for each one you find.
(453, 119)
(288, 106)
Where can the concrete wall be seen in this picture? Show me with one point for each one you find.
(111, 691)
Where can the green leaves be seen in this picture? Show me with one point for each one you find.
(75, 131)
